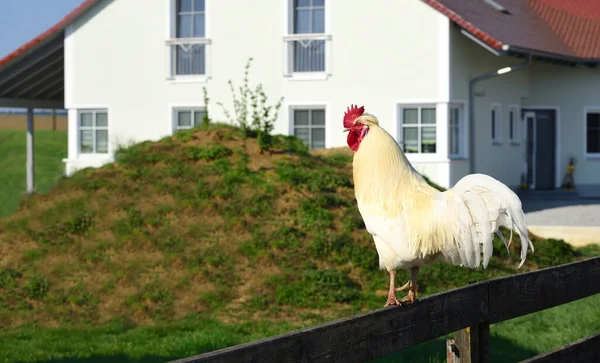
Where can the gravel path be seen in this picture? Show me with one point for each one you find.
(548, 213)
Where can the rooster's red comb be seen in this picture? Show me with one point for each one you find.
(351, 114)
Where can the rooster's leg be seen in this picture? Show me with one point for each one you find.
(412, 293)
(392, 299)
(404, 287)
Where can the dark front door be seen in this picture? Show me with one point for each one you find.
(541, 149)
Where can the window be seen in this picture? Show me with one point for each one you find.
(495, 119)
(307, 39)
(419, 129)
(188, 49)
(188, 118)
(93, 131)
(592, 133)
(513, 125)
(456, 132)
(309, 126)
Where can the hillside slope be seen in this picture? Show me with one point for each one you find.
(201, 222)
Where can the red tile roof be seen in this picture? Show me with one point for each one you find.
(564, 28)
(60, 26)
(575, 22)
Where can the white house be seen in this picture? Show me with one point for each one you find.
(505, 87)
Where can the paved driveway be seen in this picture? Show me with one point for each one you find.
(563, 216)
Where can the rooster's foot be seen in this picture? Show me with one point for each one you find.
(392, 299)
(410, 298)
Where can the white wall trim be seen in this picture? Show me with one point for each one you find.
(587, 109)
(498, 107)
(443, 63)
(69, 66)
(516, 130)
(464, 130)
(557, 182)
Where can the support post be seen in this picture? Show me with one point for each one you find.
(53, 119)
(470, 345)
(30, 154)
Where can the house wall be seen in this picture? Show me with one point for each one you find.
(571, 90)
(505, 160)
(116, 57)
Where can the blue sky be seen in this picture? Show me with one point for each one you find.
(23, 20)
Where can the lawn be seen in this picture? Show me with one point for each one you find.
(50, 149)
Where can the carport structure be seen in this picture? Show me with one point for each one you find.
(32, 77)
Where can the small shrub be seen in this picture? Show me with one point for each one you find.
(313, 287)
(178, 169)
(206, 117)
(78, 295)
(291, 144)
(287, 238)
(252, 113)
(169, 243)
(257, 245)
(36, 287)
(313, 214)
(552, 252)
(154, 300)
(9, 278)
(139, 154)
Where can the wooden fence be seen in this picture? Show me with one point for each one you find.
(467, 312)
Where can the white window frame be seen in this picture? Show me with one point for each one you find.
(461, 154)
(588, 110)
(310, 107)
(497, 140)
(515, 123)
(192, 109)
(172, 42)
(93, 128)
(418, 106)
(290, 38)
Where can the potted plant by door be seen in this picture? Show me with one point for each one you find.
(569, 179)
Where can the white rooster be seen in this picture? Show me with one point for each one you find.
(414, 224)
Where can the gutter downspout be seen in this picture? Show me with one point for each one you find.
(472, 83)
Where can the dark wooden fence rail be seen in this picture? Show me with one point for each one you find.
(378, 333)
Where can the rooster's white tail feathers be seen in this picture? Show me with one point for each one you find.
(478, 205)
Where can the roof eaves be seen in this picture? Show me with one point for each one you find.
(551, 56)
(468, 26)
(49, 33)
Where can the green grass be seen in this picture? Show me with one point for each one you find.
(521, 338)
(50, 149)
(199, 241)
(121, 342)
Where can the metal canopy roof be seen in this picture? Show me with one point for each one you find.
(33, 75)
(35, 79)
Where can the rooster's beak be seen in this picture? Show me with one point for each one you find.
(346, 130)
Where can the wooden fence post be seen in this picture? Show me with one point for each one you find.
(470, 345)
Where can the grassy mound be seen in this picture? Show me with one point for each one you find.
(204, 224)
